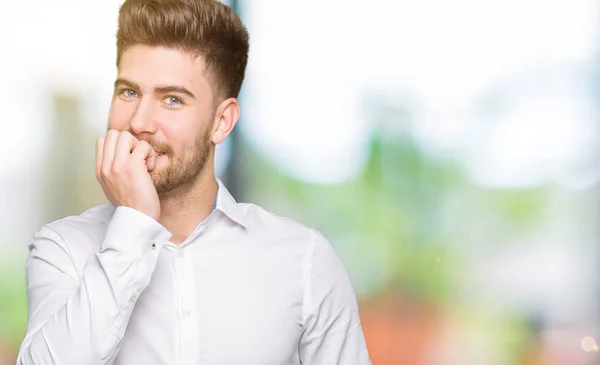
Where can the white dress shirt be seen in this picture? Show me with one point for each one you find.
(247, 287)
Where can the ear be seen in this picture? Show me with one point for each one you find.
(226, 116)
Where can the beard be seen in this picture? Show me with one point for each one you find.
(183, 169)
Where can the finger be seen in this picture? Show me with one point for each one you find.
(144, 152)
(99, 153)
(109, 151)
(126, 142)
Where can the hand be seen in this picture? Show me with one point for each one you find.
(123, 164)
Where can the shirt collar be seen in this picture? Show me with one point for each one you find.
(227, 204)
(214, 206)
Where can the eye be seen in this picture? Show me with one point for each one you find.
(173, 101)
(128, 93)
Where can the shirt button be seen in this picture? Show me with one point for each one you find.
(186, 313)
(132, 299)
(153, 244)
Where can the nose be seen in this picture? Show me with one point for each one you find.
(143, 119)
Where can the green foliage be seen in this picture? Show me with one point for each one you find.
(13, 304)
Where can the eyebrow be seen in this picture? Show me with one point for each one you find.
(159, 89)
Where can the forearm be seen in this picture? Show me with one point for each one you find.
(81, 318)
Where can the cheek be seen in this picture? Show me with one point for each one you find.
(179, 128)
(120, 114)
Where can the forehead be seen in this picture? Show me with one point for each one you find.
(149, 66)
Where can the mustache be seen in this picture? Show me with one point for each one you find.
(161, 148)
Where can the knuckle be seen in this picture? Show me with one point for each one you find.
(125, 136)
(105, 172)
(115, 169)
(112, 134)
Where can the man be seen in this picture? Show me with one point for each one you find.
(174, 271)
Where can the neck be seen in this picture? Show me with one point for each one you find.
(182, 210)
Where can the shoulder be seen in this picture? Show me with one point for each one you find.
(259, 219)
(285, 230)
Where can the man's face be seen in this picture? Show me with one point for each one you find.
(162, 96)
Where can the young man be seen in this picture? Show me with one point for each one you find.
(174, 271)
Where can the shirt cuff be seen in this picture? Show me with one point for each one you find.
(132, 231)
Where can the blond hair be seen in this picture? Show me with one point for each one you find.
(206, 28)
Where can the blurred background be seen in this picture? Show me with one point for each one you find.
(449, 149)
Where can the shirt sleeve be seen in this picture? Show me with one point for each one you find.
(80, 317)
(332, 330)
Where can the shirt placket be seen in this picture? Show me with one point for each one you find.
(186, 306)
